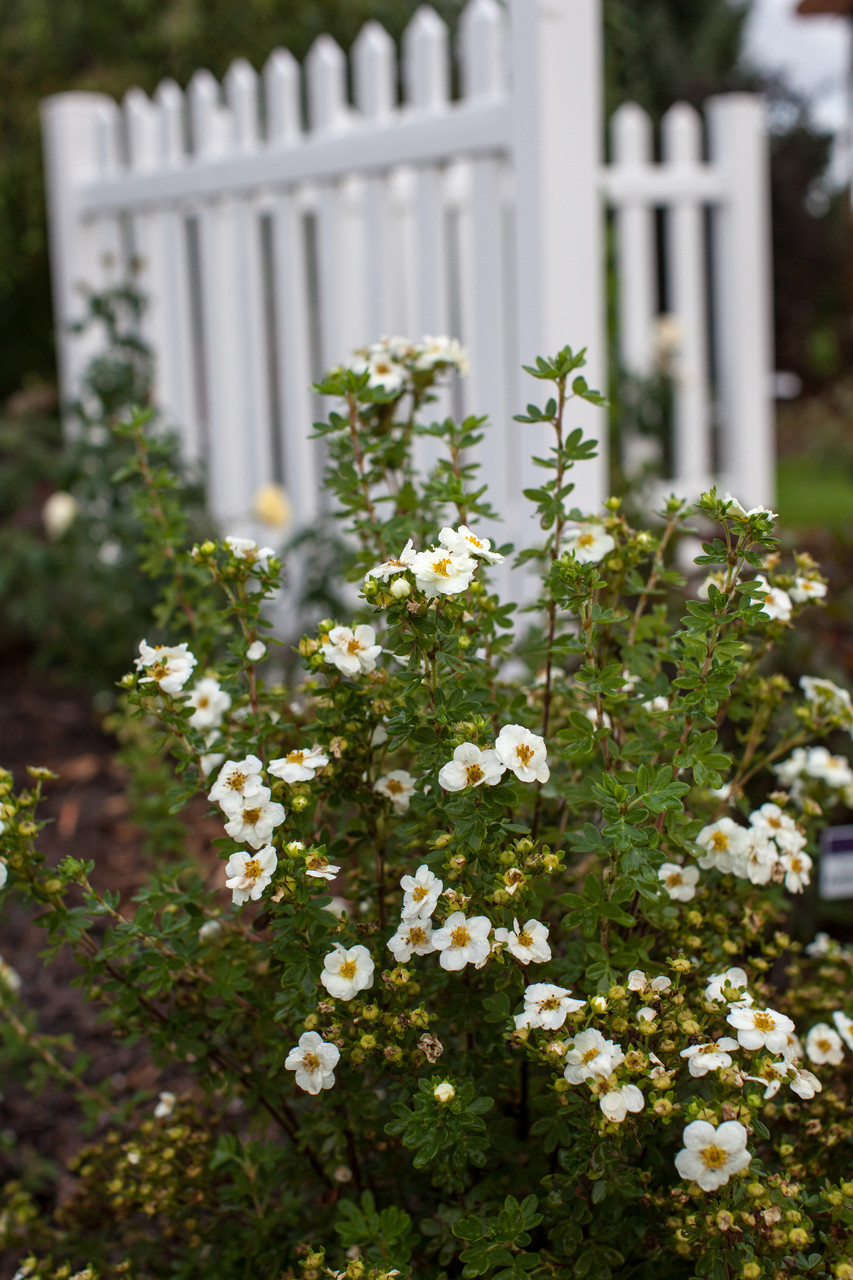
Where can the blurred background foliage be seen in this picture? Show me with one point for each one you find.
(657, 52)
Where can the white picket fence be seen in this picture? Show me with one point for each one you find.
(272, 248)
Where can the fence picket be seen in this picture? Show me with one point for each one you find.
(374, 59)
(631, 137)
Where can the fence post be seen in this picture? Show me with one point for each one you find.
(558, 115)
(75, 131)
(744, 342)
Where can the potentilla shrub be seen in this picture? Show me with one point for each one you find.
(495, 977)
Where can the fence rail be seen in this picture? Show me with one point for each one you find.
(273, 245)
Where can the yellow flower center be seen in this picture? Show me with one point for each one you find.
(354, 645)
(393, 786)
(295, 757)
(348, 969)
(714, 1157)
(763, 1022)
(719, 841)
(253, 870)
(475, 542)
(708, 1048)
(251, 816)
(796, 865)
(419, 892)
(589, 1055)
(674, 878)
(160, 669)
(310, 1062)
(823, 1045)
(441, 567)
(203, 701)
(460, 937)
(552, 1002)
(524, 753)
(417, 936)
(524, 939)
(586, 539)
(775, 823)
(474, 774)
(237, 781)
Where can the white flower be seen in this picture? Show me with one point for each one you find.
(248, 874)
(346, 972)
(637, 981)
(734, 978)
(805, 589)
(797, 867)
(529, 945)
(209, 929)
(726, 845)
(385, 372)
(59, 513)
(591, 1055)
(389, 568)
(844, 1026)
(777, 603)
(439, 572)
(616, 1103)
(822, 1044)
(737, 510)
(828, 698)
(314, 1062)
(441, 350)
(646, 1014)
(444, 1092)
(210, 703)
(659, 703)
(9, 977)
(352, 651)
(256, 819)
(247, 549)
(821, 945)
(803, 1082)
(413, 937)
(298, 766)
(760, 1028)
(319, 869)
(4, 870)
(470, 767)
(462, 539)
(169, 665)
(397, 786)
(761, 858)
(165, 1106)
(779, 826)
(702, 1058)
(463, 940)
(679, 882)
(421, 892)
(523, 752)
(238, 780)
(835, 771)
(588, 542)
(547, 1006)
(710, 1156)
(256, 650)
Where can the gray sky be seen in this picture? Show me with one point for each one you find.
(813, 53)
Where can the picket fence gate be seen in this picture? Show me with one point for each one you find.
(273, 245)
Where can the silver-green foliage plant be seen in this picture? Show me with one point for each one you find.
(493, 979)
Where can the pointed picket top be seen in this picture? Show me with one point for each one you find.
(283, 97)
(681, 134)
(426, 60)
(143, 129)
(631, 134)
(483, 49)
(241, 94)
(374, 63)
(170, 99)
(326, 70)
(209, 122)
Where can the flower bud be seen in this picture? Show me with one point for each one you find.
(444, 1092)
(400, 588)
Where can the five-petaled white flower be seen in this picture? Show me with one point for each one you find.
(248, 874)
(237, 781)
(298, 766)
(797, 867)
(170, 666)
(591, 1055)
(210, 702)
(397, 786)
(421, 892)
(547, 1006)
(346, 972)
(702, 1058)
(462, 539)
(726, 845)
(588, 542)
(711, 1155)
(247, 549)
(314, 1062)
(776, 603)
(439, 572)
(352, 650)
(616, 1103)
(760, 1028)
(389, 568)
(804, 589)
(470, 767)
(679, 882)
(413, 937)
(523, 752)
(735, 979)
(463, 940)
(529, 945)
(256, 819)
(844, 1026)
(823, 1044)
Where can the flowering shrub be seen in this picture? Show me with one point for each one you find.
(494, 979)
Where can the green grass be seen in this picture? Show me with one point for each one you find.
(810, 496)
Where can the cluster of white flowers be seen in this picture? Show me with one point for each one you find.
(440, 571)
(770, 848)
(353, 650)
(815, 770)
(828, 699)
(169, 666)
(516, 749)
(247, 549)
(390, 361)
